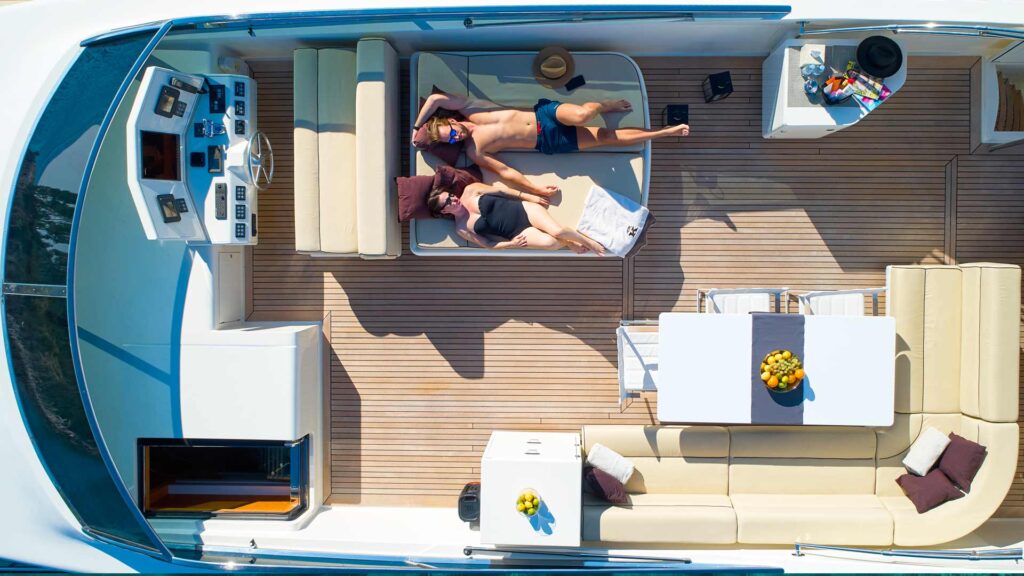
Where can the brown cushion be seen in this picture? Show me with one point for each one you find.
(604, 485)
(412, 197)
(456, 179)
(447, 153)
(928, 491)
(961, 460)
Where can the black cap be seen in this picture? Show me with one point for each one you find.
(879, 56)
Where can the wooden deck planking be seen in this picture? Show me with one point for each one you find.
(431, 354)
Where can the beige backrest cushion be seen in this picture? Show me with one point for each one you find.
(377, 155)
(926, 302)
(306, 154)
(801, 460)
(574, 173)
(668, 459)
(990, 368)
(448, 72)
(336, 128)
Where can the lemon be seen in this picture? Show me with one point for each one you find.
(520, 506)
(784, 380)
(778, 357)
(765, 376)
(772, 360)
(531, 511)
(787, 355)
(782, 384)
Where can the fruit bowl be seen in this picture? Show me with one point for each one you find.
(528, 503)
(781, 371)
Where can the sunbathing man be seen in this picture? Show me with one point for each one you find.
(552, 127)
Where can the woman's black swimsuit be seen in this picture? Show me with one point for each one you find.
(500, 216)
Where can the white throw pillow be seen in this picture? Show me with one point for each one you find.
(610, 461)
(925, 451)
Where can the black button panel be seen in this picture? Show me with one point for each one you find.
(240, 89)
(240, 127)
(240, 230)
(239, 108)
(240, 193)
(240, 212)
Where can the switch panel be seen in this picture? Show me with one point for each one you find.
(240, 212)
(240, 230)
(240, 193)
(221, 201)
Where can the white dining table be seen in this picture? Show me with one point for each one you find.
(706, 361)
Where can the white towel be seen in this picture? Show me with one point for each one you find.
(612, 220)
(610, 461)
(925, 451)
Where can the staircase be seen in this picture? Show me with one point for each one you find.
(1010, 117)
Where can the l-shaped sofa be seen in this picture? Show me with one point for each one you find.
(957, 369)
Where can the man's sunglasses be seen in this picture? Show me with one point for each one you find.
(453, 136)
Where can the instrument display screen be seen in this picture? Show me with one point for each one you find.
(160, 156)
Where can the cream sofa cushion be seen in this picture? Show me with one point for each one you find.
(336, 131)
(926, 301)
(448, 72)
(989, 372)
(957, 518)
(377, 151)
(306, 180)
(660, 442)
(847, 519)
(801, 442)
(777, 476)
(574, 173)
(662, 518)
(669, 459)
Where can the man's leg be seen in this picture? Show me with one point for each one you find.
(580, 114)
(590, 137)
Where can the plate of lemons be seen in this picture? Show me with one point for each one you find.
(781, 371)
(528, 503)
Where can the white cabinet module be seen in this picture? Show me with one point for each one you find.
(546, 463)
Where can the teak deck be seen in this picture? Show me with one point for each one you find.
(431, 354)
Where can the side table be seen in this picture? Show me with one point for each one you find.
(547, 463)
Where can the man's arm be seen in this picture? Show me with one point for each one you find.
(435, 101)
(508, 174)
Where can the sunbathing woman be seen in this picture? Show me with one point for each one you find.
(500, 218)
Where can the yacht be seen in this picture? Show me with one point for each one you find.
(235, 338)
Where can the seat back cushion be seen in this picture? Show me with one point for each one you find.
(336, 129)
(990, 367)
(801, 460)
(377, 151)
(306, 154)
(925, 301)
(668, 459)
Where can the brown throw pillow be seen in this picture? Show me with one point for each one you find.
(962, 460)
(456, 179)
(927, 492)
(604, 485)
(412, 197)
(447, 153)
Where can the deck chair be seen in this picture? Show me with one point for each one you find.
(742, 300)
(638, 357)
(838, 302)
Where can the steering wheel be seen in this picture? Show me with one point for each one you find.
(260, 160)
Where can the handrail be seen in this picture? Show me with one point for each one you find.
(931, 28)
(973, 555)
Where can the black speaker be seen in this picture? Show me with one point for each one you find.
(717, 86)
(676, 114)
(469, 502)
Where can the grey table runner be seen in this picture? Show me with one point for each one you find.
(775, 332)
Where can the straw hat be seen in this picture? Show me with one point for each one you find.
(553, 67)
